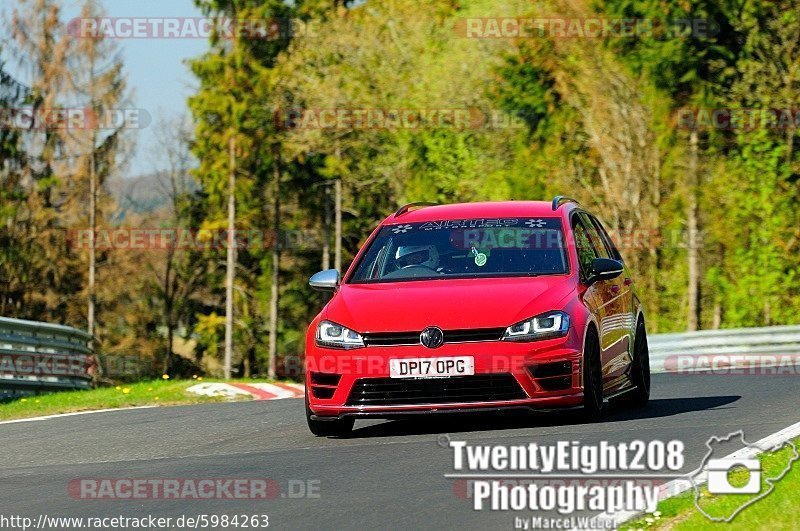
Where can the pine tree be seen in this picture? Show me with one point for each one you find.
(99, 85)
(235, 147)
(40, 48)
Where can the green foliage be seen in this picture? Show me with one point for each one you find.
(593, 118)
(580, 105)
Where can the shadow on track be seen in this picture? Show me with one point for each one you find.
(467, 422)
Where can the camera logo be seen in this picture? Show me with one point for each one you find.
(738, 475)
(719, 480)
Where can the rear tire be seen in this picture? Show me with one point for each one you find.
(328, 428)
(640, 370)
(592, 378)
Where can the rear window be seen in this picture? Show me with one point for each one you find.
(469, 248)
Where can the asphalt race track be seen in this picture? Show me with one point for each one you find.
(388, 474)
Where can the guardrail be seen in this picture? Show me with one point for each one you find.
(729, 347)
(37, 356)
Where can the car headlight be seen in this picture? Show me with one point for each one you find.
(545, 326)
(333, 335)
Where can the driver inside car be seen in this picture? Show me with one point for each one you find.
(417, 255)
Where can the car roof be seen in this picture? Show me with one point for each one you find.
(487, 209)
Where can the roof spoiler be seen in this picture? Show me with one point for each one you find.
(407, 208)
(557, 200)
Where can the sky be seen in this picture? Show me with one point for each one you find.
(157, 75)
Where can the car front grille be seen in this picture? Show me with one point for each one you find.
(387, 339)
(458, 389)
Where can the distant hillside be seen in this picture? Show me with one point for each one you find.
(143, 193)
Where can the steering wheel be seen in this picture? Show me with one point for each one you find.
(409, 266)
(412, 271)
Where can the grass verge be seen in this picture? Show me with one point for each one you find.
(776, 511)
(148, 393)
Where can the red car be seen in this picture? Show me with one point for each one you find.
(520, 304)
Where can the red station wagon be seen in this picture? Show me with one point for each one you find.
(477, 306)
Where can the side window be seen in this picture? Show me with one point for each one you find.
(594, 236)
(609, 243)
(584, 247)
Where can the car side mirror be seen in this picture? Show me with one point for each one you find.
(327, 280)
(605, 269)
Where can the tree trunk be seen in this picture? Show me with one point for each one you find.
(717, 316)
(168, 319)
(692, 225)
(276, 258)
(230, 270)
(170, 342)
(338, 237)
(655, 242)
(90, 314)
(326, 229)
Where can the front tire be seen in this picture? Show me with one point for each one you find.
(328, 428)
(592, 378)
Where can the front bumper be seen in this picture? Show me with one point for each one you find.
(530, 364)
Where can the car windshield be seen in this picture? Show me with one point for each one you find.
(469, 248)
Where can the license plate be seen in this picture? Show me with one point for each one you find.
(431, 367)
